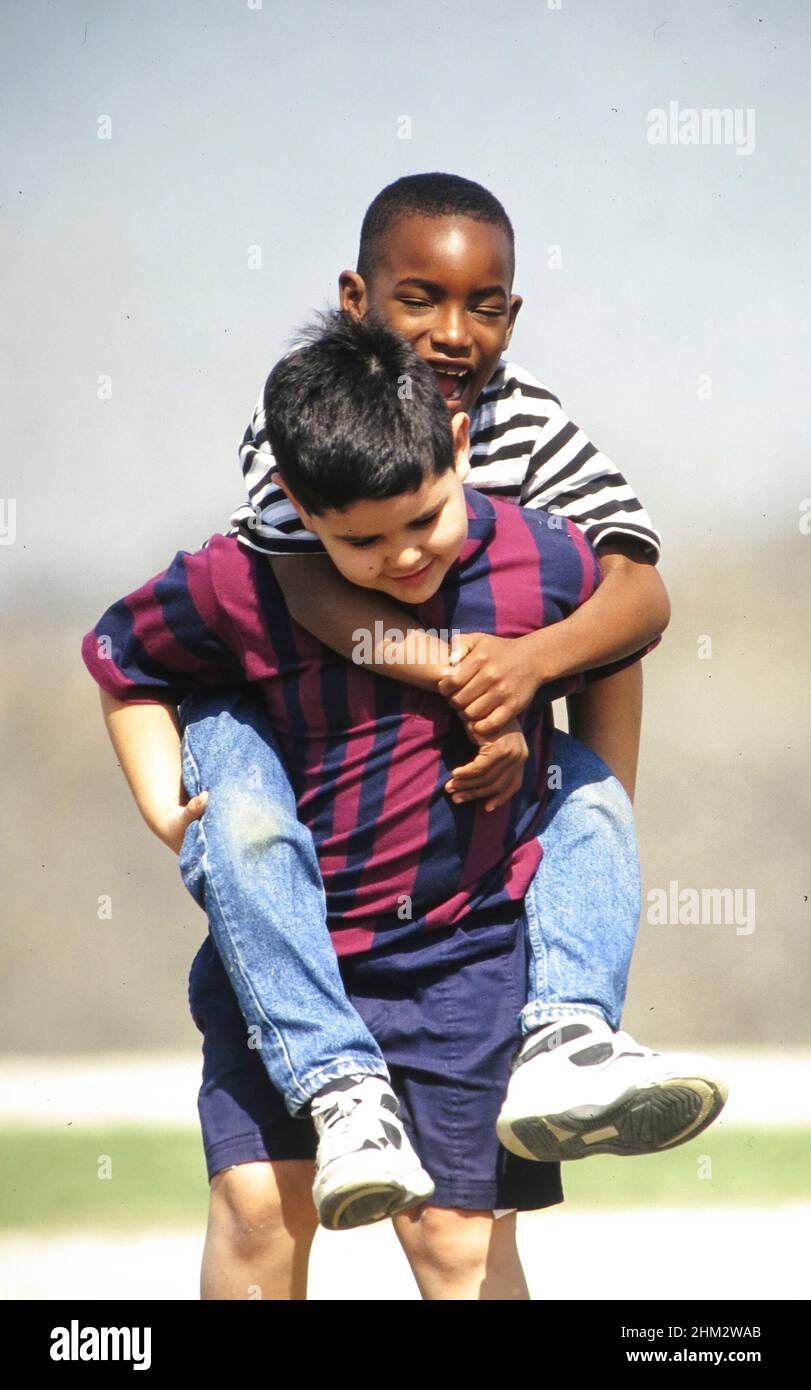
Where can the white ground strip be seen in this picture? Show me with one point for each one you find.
(731, 1253)
(766, 1088)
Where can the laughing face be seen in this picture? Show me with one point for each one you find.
(443, 284)
(402, 545)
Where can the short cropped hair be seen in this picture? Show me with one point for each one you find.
(353, 414)
(426, 195)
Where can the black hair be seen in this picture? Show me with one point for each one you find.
(426, 195)
(355, 413)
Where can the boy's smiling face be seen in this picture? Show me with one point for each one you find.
(445, 285)
(402, 545)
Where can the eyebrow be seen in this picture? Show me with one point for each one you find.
(415, 520)
(431, 287)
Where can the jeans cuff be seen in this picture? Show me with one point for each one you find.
(308, 1086)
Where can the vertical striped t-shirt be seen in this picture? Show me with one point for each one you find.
(406, 871)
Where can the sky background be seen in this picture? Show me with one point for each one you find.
(235, 127)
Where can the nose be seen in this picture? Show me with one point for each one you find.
(450, 328)
(405, 561)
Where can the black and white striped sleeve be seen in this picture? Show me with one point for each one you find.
(266, 521)
(567, 474)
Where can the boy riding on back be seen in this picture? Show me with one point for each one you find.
(440, 986)
(436, 264)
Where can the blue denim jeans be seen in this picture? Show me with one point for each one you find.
(253, 868)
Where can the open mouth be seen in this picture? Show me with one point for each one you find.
(453, 382)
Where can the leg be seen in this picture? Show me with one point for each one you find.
(449, 1032)
(583, 905)
(261, 1225)
(580, 1086)
(462, 1254)
(252, 866)
(245, 1120)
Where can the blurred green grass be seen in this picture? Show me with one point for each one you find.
(49, 1178)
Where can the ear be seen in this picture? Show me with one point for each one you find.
(460, 428)
(305, 516)
(352, 295)
(515, 304)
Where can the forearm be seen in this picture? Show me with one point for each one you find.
(607, 716)
(360, 624)
(629, 609)
(146, 739)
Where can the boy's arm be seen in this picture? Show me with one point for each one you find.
(335, 611)
(568, 476)
(627, 612)
(146, 739)
(607, 716)
(498, 677)
(147, 652)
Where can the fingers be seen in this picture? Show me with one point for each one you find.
(459, 650)
(475, 781)
(488, 761)
(194, 809)
(494, 775)
(482, 701)
(480, 786)
(179, 819)
(504, 795)
(454, 677)
(494, 726)
(495, 794)
(481, 779)
(466, 685)
(485, 781)
(463, 664)
(461, 647)
(479, 764)
(477, 699)
(485, 766)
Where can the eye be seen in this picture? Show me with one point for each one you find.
(417, 303)
(424, 521)
(361, 545)
(488, 311)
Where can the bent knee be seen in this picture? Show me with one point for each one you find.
(251, 822)
(246, 822)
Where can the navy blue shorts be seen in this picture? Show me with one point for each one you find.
(447, 1035)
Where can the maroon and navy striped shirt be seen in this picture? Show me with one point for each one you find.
(408, 874)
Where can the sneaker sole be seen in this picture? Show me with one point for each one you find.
(647, 1120)
(362, 1204)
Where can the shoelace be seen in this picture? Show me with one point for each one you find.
(346, 1119)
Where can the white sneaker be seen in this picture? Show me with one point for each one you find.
(578, 1089)
(366, 1168)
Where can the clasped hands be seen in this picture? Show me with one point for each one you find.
(490, 683)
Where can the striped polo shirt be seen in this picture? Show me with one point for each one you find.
(524, 448)
(407, 873)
